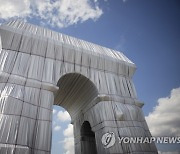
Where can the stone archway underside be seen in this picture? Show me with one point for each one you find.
(39, 68)
(75, 92)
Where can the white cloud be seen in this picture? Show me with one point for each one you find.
(14, 8)
(68, 132)
(69, 140)
(63, 116)
(60, 13)
(54, 111)
(57, 128)
(165, 119)
(69, 145)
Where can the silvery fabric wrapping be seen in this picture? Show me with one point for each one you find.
(39, 68)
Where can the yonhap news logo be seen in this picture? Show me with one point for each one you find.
(108, 139)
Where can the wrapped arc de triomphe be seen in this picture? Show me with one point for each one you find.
(40, 68)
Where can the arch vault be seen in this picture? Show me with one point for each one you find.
(39, 68)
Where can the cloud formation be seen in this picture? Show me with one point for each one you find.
(54, 111)
(14, 8)
(57, 128)
(57, 13)
(63, 116)
(165, 119)
(69, 140)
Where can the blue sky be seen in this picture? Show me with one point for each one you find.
(146, 31)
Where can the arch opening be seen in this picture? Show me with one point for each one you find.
(75, 92)
(88, 141)
(62, 132)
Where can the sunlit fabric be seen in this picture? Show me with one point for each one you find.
(40, 67)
